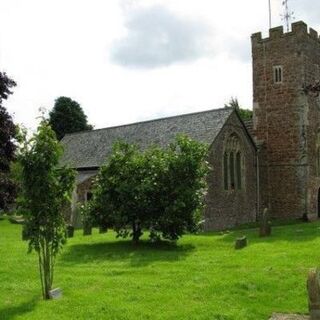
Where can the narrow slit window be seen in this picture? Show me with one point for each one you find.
(277, 74)
(231, 166)
(238, 170)
(88, 196)
(225, 171)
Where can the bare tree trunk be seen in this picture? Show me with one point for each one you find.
(136, 231)
(46, 268)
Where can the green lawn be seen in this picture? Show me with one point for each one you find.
(202, 277)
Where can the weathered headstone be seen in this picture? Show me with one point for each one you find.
(280, 316)
(103, 229)
(55, 293)
(87, 229)
(265, 225)
(70, 231)
(241, 243)
(313, 287)
(24, 234)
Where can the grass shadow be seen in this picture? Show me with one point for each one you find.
(9, 313)
(137, 255)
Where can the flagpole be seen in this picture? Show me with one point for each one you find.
(269, 14)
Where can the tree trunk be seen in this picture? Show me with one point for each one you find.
(136, 231)
(46, 269)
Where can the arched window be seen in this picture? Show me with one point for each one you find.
(238, 170)
(225, 170)
(232, 164)
(231, 169)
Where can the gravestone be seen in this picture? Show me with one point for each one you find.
(24, 234)
(70, 231)
(313, 287)
(280, 316)
(265, 224)
(103, 229)
(241, 243)
(55, 293)
(87, 229)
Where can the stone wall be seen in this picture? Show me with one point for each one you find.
(286, 119)
(228, 208)
(79, 198)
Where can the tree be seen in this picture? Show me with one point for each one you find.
(245, 114)
(160, 190)
(46, 189)
(67, 116)
(7, 145)
(180, 186)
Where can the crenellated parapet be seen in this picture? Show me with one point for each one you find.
(298, 28)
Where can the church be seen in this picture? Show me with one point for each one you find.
(271, 161)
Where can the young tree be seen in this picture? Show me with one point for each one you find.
(7, 146)
(46, 189)
(160, 190)
(67, 116)
(245, 114)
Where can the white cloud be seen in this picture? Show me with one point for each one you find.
(158, 37)
(60, 47)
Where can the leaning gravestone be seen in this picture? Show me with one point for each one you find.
(241, 243)
(265, 225)
(313, 287)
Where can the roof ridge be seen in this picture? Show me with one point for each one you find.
(147, 121)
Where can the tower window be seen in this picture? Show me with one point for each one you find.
(277, 74)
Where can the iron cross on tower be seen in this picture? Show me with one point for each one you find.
(287, 15)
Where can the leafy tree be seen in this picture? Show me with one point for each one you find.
(117, 196)
(7, 145)
(160, 190)
(67, 116)
(179, 179)
(245, 114)
(46, 190)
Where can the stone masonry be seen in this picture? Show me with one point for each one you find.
(286, 120)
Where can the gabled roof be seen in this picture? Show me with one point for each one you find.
(89, 149)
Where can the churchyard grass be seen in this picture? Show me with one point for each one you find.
(202, 277)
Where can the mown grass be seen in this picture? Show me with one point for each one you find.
(202, 277)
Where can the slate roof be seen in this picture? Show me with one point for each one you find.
(89, 149)
(249, 125)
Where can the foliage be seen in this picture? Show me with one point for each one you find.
(46, 190)
(161, 190)
(7, 145)
(85, 212)
(67, 116)
(201, 277)
(245, 114)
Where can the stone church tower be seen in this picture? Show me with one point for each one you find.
(286, 120)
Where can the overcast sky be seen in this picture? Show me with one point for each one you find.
(132, 60)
